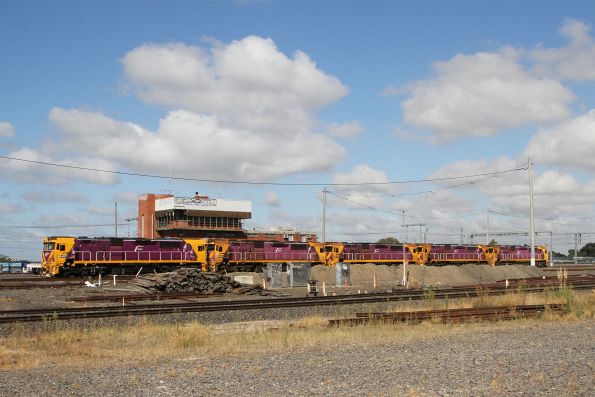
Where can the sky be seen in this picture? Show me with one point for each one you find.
(408, 112)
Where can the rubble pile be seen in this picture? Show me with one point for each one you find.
(194, 280)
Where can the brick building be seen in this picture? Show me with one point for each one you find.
(164, 215)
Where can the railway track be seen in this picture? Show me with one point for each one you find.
(46, 282)
(574, 268)
(33, 315)
(449, 315)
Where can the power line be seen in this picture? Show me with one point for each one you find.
(546, 220)
(75, 167)
(339, 195)
(425, 191)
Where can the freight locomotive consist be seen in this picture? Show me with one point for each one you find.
(82, 255)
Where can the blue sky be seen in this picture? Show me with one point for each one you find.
(293, 91)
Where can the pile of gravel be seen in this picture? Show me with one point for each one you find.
(193, 280)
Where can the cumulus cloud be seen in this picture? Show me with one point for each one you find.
(243, 110)
(126, 197)
(482, 93)
(575, 61)
(9, 208)
(6, 130)
(248, 84)
(345, 130)
(194, 145)
(365, 195)
(50, 197)
(569, 144)
(556, 194)
(272, 199)
(48, 175)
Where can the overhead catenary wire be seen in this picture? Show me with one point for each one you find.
(339, 195)
(207, 180)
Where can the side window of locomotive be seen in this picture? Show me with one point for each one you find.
(61, 247)
(200, 248)
(321, 250)
(220, 248)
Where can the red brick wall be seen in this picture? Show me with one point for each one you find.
(146, 214)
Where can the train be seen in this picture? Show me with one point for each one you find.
(64, 256)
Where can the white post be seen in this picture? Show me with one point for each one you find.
(116, 219)
(323, 288)
(100, 279)
(532, 215)
(114, 276)
(404, 251)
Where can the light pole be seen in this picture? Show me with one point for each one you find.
(531, 210)
(324, 216)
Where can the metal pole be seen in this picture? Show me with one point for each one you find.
(532, 216)
(116, 219)
(461, 236)
(324, 216)
(404, 250)
(488, 227)
(576, 248)
(551, 249)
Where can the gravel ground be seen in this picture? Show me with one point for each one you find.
(529, 359)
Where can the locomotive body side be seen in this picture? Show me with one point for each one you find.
(375, 253)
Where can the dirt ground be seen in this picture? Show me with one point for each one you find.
(419, 276)
(362, 280)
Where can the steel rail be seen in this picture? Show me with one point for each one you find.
(271, 303)
(450, 315)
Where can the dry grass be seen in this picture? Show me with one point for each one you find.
(149, 341)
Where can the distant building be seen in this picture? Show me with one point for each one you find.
(164, 215)
(281, 234)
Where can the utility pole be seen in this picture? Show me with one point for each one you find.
(577, 241)
(116, 219)
(531, 210)
(404, 250)
(551, 249)
(488, 227)
(324, 216)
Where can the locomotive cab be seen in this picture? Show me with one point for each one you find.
(419, 252)
(54, 254)
(329, 254)
(491, 253)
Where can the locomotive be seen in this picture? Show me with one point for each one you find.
(62, 255)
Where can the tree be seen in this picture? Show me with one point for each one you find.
(388, 241)
(558, 255)
(587, 250)
(493, 242)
